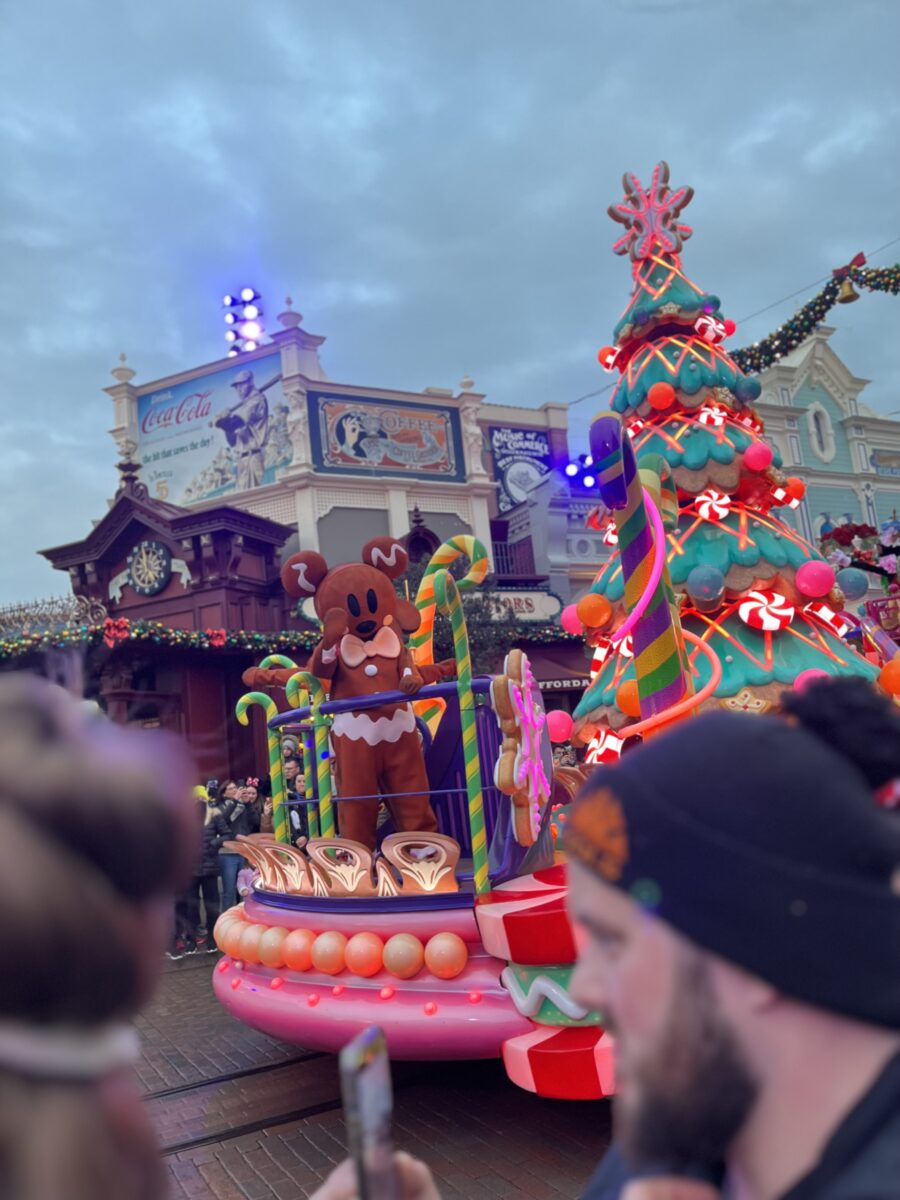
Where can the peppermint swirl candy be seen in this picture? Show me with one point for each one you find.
(768, 612)
(713, 505)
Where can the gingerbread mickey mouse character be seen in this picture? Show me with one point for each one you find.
(362, 652)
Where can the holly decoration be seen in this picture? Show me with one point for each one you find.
(681, 395)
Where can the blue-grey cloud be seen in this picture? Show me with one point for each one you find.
(428, 181)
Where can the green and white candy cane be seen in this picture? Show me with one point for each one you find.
(302, 689)
(447, 598)
(267, 704)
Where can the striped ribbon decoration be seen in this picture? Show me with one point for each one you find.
(661, 664)
(268, 705)
(447, 599)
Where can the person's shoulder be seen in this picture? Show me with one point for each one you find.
(610, 1178)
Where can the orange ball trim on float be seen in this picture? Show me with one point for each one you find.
(445, 955)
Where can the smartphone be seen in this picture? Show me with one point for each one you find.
(368, 1110)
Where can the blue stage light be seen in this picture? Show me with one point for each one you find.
(251, 329)
(230, 335)
(589, 481)
(228, 301)
(251, 345)
(251, 311)
(572, 469)
(248, 293)
(230, 318)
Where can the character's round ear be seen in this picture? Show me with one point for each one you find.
(302, 574)
(387, 555)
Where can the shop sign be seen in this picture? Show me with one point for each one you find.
(530, 606)
(358, 434)
(521, 459)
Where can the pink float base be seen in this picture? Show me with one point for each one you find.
(305, 1011)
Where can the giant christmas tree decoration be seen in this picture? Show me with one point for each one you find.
(754, 600)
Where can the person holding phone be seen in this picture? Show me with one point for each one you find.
(755, 1002)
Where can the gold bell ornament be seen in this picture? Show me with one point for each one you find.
(847, 293)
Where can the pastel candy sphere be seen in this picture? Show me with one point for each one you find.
(814, 578)
(297, 949)
(271, 947)
(364, 954)
(328, 952)
(404, 955)
(446, 955)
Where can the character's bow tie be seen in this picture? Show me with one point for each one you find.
(354, 650)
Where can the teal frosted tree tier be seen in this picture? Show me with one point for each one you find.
(747, 584)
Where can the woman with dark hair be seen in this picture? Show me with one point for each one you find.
(86, 882)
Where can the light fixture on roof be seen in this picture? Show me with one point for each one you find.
(243, 317)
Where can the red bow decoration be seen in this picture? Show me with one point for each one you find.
(115, 629)
(251, 782)
(216, 638)
(858, 260)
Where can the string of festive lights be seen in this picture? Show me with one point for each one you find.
(795, 331)
(117, 630)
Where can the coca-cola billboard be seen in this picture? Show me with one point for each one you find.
(222, 432)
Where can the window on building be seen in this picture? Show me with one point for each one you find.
(863, 452)
(786, 397)
(796, 453)
(819, 430)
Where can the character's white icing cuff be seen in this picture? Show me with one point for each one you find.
(329, 656)
(407, 671)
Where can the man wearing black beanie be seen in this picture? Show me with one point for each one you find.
(737, 890)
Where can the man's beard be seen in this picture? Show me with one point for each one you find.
(689, 1099)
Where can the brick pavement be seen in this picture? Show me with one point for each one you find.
(483, 1138)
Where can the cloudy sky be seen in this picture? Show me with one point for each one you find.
(428, 180)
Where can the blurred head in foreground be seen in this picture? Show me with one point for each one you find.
(736, 891)
(86, 881)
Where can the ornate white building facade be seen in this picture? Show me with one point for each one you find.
(338, 462)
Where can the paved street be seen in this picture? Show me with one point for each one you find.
(240, 1115)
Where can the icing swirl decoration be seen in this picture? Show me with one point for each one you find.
(521, 771)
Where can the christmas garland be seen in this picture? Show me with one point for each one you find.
(795, 331)
(116, 630)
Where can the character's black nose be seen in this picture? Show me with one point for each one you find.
(365, 627)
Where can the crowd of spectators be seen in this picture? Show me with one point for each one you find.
(225, 812)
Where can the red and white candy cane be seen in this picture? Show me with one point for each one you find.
(713, 505)
(602, 648)
(767, 611)
(710, 329)
(826, 616)
(605, 747)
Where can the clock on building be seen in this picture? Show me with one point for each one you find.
(149, 567)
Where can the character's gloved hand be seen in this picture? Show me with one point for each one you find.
(334, 626)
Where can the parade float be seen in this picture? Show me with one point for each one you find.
(452, 935)
(443, 919)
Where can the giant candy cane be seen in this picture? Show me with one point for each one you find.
(268, 705)
(660, 658)
(422, 642)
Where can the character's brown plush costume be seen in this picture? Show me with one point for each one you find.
(362, 652)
